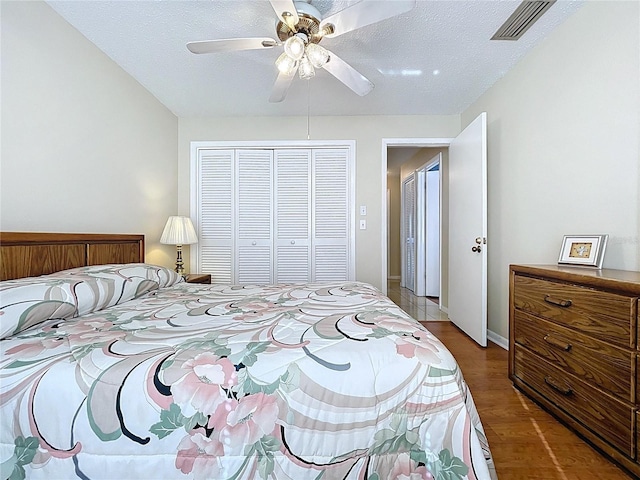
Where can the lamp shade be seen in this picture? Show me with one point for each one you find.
(294, 47)
(306, 70)
(318, 55)
(286, 64)
(179, 231)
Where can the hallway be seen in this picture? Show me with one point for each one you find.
(420, 308)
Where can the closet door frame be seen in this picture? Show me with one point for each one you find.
(194, 193)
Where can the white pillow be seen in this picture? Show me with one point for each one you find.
(28, 301)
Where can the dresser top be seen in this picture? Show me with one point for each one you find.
(624, 280)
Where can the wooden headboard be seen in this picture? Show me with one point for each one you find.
(26, 254)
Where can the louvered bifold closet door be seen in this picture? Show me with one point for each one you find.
(215, 214)
(254, 245)
(408, 228)
(331, 207)
(293, 216)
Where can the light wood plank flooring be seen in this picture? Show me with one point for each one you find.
(526, 442)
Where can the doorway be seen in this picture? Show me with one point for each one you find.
(465, 297)
(413, 163)
(420, 228)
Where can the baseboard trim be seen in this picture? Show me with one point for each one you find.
(393, 278)
(498, 339)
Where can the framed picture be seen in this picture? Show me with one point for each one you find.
(584, 250)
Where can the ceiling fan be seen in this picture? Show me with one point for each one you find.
(300, 28)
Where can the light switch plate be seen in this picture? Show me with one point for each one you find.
(363, 209)
(363, 224)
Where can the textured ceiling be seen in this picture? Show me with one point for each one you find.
(436, 59)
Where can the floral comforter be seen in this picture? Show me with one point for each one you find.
(175, 380)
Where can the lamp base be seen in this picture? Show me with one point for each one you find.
(179, 265)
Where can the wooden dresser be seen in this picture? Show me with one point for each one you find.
(574, 348)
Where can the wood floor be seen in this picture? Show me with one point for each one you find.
(526, 442)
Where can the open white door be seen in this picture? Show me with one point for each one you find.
(427, 228)
(432, 240)
(468, 230)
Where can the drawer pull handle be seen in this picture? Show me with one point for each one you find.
(555, 301)
(553, 384)
(557, 343)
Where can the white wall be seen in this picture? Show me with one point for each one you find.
(367, 131)
(394, 212)
(85, 148)
(563, 157)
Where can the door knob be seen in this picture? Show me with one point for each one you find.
(476, 248)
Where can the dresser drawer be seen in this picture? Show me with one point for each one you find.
(606, 417)
(607, 316)
(637, 432)
(598, 363)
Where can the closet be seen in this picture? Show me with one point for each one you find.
(273, 215)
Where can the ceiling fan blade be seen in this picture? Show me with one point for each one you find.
(348, 75)
(286, 11)
(364, 13)
(230, 45)
(280, 87)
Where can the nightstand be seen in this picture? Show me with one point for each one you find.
(198, 278)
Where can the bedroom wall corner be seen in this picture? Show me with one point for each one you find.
(563, 147)
(84, 147)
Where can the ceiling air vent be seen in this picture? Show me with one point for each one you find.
(527, 13)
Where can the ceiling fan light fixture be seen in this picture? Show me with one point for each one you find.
(300, 27)
(306, 70)
(317, 55)
(294, 47)
(286, 64)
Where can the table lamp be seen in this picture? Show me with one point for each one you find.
(179, 231)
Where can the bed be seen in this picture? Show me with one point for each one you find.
(117, 369)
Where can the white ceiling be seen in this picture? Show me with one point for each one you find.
(147, 39)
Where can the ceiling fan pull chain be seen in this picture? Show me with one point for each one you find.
(308, 107)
